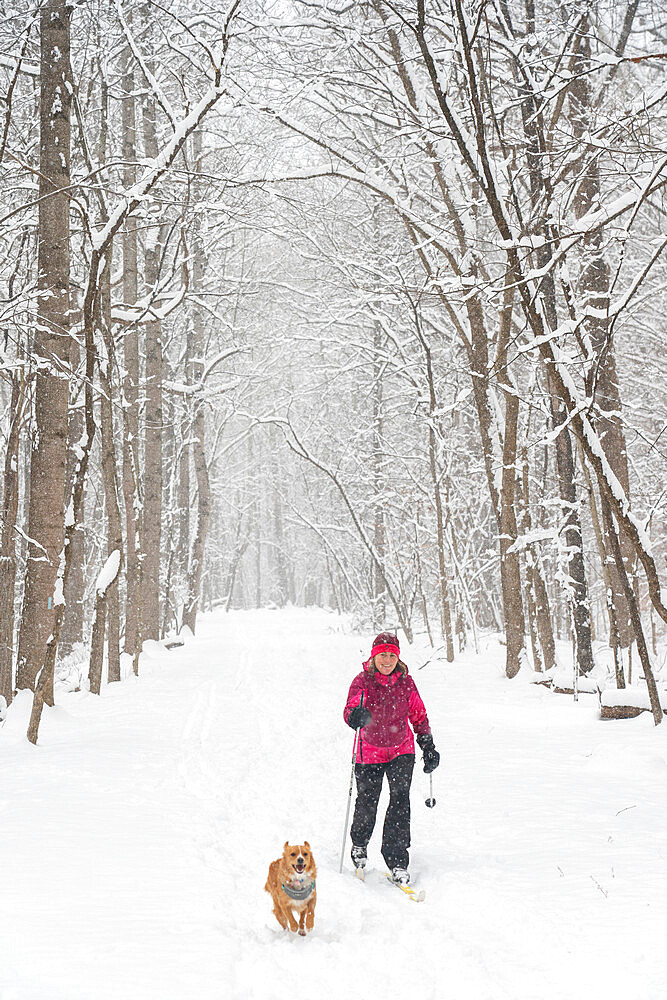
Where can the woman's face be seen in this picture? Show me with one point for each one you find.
(385, 662)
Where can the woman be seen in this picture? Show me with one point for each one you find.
(381, 702)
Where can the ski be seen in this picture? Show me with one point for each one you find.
(416, 896)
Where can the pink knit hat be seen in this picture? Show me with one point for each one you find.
(385, 642)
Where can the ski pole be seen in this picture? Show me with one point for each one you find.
(357, 735)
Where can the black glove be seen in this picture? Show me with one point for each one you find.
(358, 717)
(431, 755)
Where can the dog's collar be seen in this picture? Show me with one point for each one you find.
(298, 894)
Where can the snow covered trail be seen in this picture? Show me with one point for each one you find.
(137, 834)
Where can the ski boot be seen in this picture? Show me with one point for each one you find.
(359, 856)
(400, 876)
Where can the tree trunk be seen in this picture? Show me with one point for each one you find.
(378, 593)
(605, 561)
(240, 545)
(511, 579)
(602, 378)
(131, 358)
(445, 610)
(96, 660)
(642, 649)
(420, 587)
(183, 485)
(10, 503)
(203, 519)
(605, 538)
(539, 594)
(436, 476)
(196, 567)
(73, 623)
(281, 542)
(44, 683)
(102, 590)
(109, 471)
(515, 625)
(49, 449)
(151, 541)
(577, 591)
(254, 463)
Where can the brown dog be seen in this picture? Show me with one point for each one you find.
(291, 882)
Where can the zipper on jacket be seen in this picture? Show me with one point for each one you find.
(361, 747)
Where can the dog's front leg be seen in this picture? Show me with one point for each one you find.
(310, 916)
(302, 917)
(293, 926)
(280, 916)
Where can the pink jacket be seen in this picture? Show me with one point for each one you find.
(393, 701)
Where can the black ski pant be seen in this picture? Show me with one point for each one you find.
(396, 831)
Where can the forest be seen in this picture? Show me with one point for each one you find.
(357, 305)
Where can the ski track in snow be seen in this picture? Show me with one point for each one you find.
(137, 835)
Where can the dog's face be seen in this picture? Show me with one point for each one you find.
(297, 858)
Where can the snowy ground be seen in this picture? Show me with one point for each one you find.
(137, 835)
